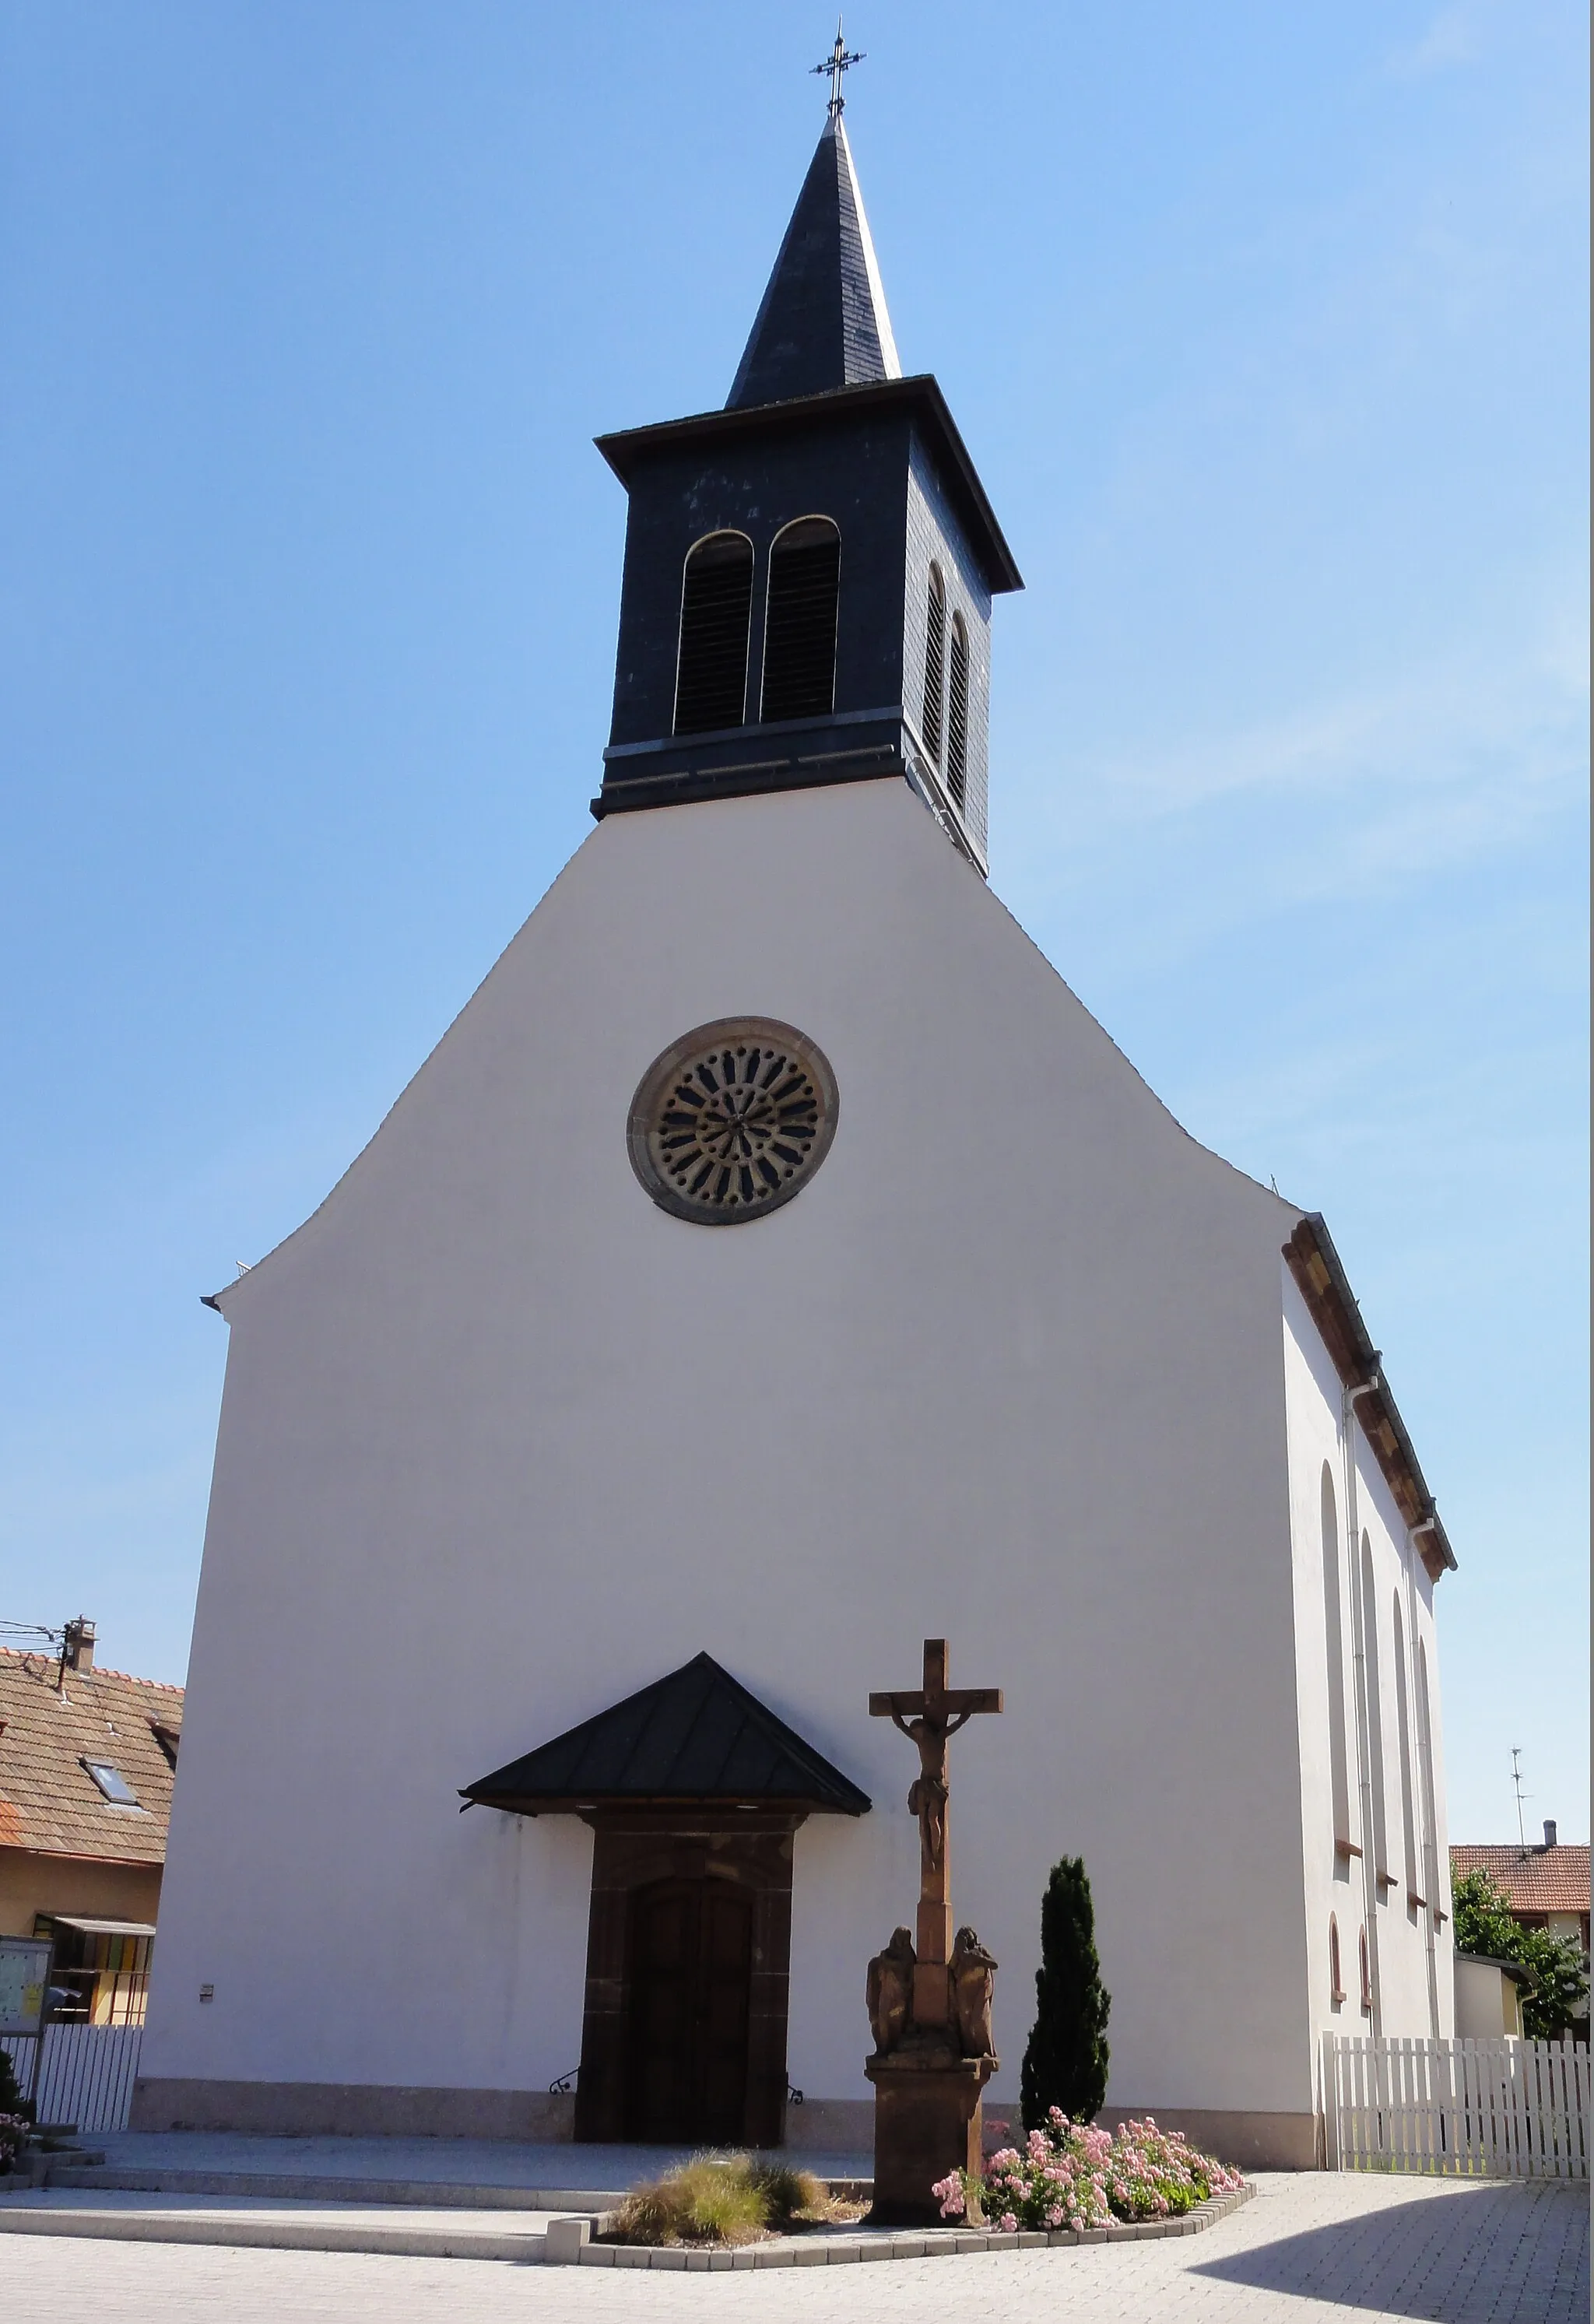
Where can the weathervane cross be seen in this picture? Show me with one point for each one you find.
(836, 64)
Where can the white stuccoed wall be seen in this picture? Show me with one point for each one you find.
(502, 1442)
(1408, 2003)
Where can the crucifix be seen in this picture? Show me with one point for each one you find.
(929, 1717)
(836, 64)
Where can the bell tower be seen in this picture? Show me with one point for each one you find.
(809, 572)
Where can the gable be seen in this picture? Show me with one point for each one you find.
(842, 912)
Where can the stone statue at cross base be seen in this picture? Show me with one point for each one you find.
(973, 1979)
(890, 1992)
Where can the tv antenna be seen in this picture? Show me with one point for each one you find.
(1521, 1794)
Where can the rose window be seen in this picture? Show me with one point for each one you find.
(733, 1121)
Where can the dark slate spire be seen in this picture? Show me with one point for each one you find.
(823, 323)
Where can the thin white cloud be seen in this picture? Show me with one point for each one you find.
(1374, 794)
(1454, 38)
(1466, 745)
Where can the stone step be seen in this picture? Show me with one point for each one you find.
(304, 2187)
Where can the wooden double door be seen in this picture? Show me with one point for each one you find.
(689, 1995)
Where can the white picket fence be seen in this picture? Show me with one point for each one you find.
(1514, 2109)
(87, 2074)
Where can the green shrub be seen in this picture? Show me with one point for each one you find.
(1066, 2064)
(11, 2101)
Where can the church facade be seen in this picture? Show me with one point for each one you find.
(775, 1265)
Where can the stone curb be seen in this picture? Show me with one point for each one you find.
(839, 2250)
(268, 2233)
(566, 2237)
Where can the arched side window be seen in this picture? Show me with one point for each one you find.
(1336, 1981)
(934, 662)
(716, 611)
(1408, 1824)
(1375, 1708)
(1425, 1773)
(1365, 1965)
(799, 623)
(1333, 1626)
(957, 715)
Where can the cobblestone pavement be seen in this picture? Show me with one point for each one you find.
(1311, 2247)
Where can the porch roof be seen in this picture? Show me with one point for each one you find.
(697, 1736)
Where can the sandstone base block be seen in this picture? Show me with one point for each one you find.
(928, 2123)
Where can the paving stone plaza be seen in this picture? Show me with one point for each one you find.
(1310, 2247)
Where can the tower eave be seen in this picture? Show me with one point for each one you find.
(626, 449)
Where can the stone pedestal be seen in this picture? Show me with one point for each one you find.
(927, 2122)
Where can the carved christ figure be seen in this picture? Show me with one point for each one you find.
(926, 1797)
(929, 1717)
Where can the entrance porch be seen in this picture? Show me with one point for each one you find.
(695, 1791)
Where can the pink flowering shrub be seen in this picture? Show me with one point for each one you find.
(1070, 2174)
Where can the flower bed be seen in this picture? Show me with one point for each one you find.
(1069, 2175)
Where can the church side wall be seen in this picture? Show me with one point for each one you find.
(502, 1442)
(1411, 1980)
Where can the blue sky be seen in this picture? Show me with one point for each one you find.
(1265, 327)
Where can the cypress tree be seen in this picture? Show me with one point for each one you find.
(1066, 2064)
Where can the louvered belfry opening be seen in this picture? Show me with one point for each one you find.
(716, 610)
(935, 663)
(799, 630)
(957, 716)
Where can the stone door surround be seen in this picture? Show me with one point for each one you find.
(636, 1847)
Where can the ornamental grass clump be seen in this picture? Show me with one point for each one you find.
(794, 2195)
(1069, 2175)
(722, 2198)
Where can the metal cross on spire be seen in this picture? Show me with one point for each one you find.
(836, 64)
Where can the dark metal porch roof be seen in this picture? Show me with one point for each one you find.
(695, 1737)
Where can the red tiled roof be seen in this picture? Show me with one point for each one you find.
(49, 1802)
(1543, 1880)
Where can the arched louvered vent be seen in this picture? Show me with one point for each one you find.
(799, 629)
(957, 716)
(935, 663)
(717, 607)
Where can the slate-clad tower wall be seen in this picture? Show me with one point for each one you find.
(853, 467)
(934, 537)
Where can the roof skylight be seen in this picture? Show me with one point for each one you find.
(113, 1783)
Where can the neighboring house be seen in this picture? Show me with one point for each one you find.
(1546, 1886)
(86, 1765)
